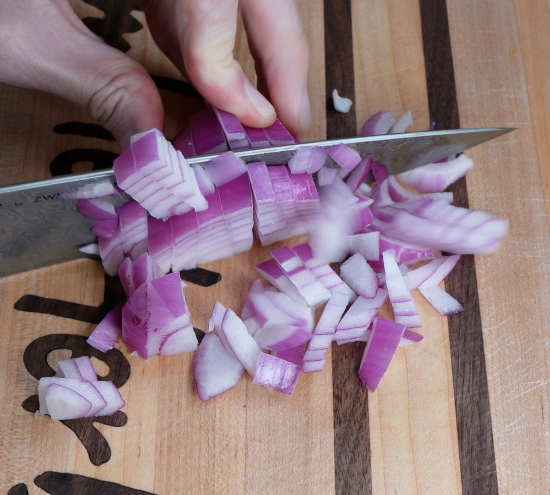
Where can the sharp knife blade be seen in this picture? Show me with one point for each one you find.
(38, 228)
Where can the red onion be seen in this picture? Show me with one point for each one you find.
(274, 372)
(379, 123)
(382, 343)
(403, 123)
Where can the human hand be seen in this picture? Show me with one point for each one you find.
(45, 46)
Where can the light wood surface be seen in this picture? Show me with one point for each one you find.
(492, 87)
(249, 441)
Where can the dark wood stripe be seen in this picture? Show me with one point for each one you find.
(44, 305)
(473, 414)
(350, 398)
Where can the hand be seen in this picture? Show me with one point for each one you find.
(45, 46)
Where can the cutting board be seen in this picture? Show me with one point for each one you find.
(464, 411)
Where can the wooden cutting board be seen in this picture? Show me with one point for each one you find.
(464, 411)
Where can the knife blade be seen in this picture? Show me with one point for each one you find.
(38, 228)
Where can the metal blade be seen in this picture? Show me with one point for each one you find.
(38, 228)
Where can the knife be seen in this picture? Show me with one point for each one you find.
(38, 228)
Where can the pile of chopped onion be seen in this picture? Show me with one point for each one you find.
(75, 392)
(389, 238)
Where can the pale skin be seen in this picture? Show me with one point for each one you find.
(45, 46)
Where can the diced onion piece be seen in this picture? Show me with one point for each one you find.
(256, 137)
(442, 301)
(281, 337)
(438, 225)
(344, 156)
(64, 403)
(92, 249)
(272, 371)
(379, 123)
(204, 181)
(403, 252)
(359, 173)
(224, 168)
(207, 132)
(214, 369)
(341, 104)
(357, 273)
(403, 123)
(404, 309)
(216, 317)
(111, 395)
(239, 342)
(436, 177)
(78, 368)
(314, 358)
(278, 134)
(326, 176)
(368, 245)
(409, 337)
(380, 172)
(109, 330)
(382, 343)
(82, 387)
(274, 274)
(359, 316)
(96, 209)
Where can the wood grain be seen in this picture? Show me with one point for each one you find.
(415, 401)
(475, 435)
(514, 300)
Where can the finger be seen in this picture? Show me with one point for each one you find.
(44, 48)
(206, 31)
(278, 45)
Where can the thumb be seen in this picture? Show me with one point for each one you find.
(206, 31)
(43, 45)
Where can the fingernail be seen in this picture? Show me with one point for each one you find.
(306, 119)
(259, 101)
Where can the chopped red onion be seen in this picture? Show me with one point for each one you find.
(112, 255)
(380, 172)
(359, 173)
(96, 209)
(108, 331)
(281, 337)
(368, 245)
(324, 332)
(239, 342)
(403, 253)
(81, 387)
(379, 123)
(409, 337)
(341, 104)
(404, 309)
(256, 137)
(232, 128)
(359, 316)
(155, 320)
(403, 123)
(431, 274)
(225, 168)
(326, 176)
(214, 369)
(436, 177)
(344, 156)
(92, 248)
(106, 228)
(64, 403)
(77, 368)
(111, 395)
(438, 225)
(278, 134)
(206, 186)
(382, 343)
(133, 229)
(357, 273)
(443, 302)
(308, 159)
(274, 274)
(274, 372)
(207, 133)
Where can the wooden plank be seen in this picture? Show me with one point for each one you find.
(514, 301)
(475, 436)
(415, 400)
